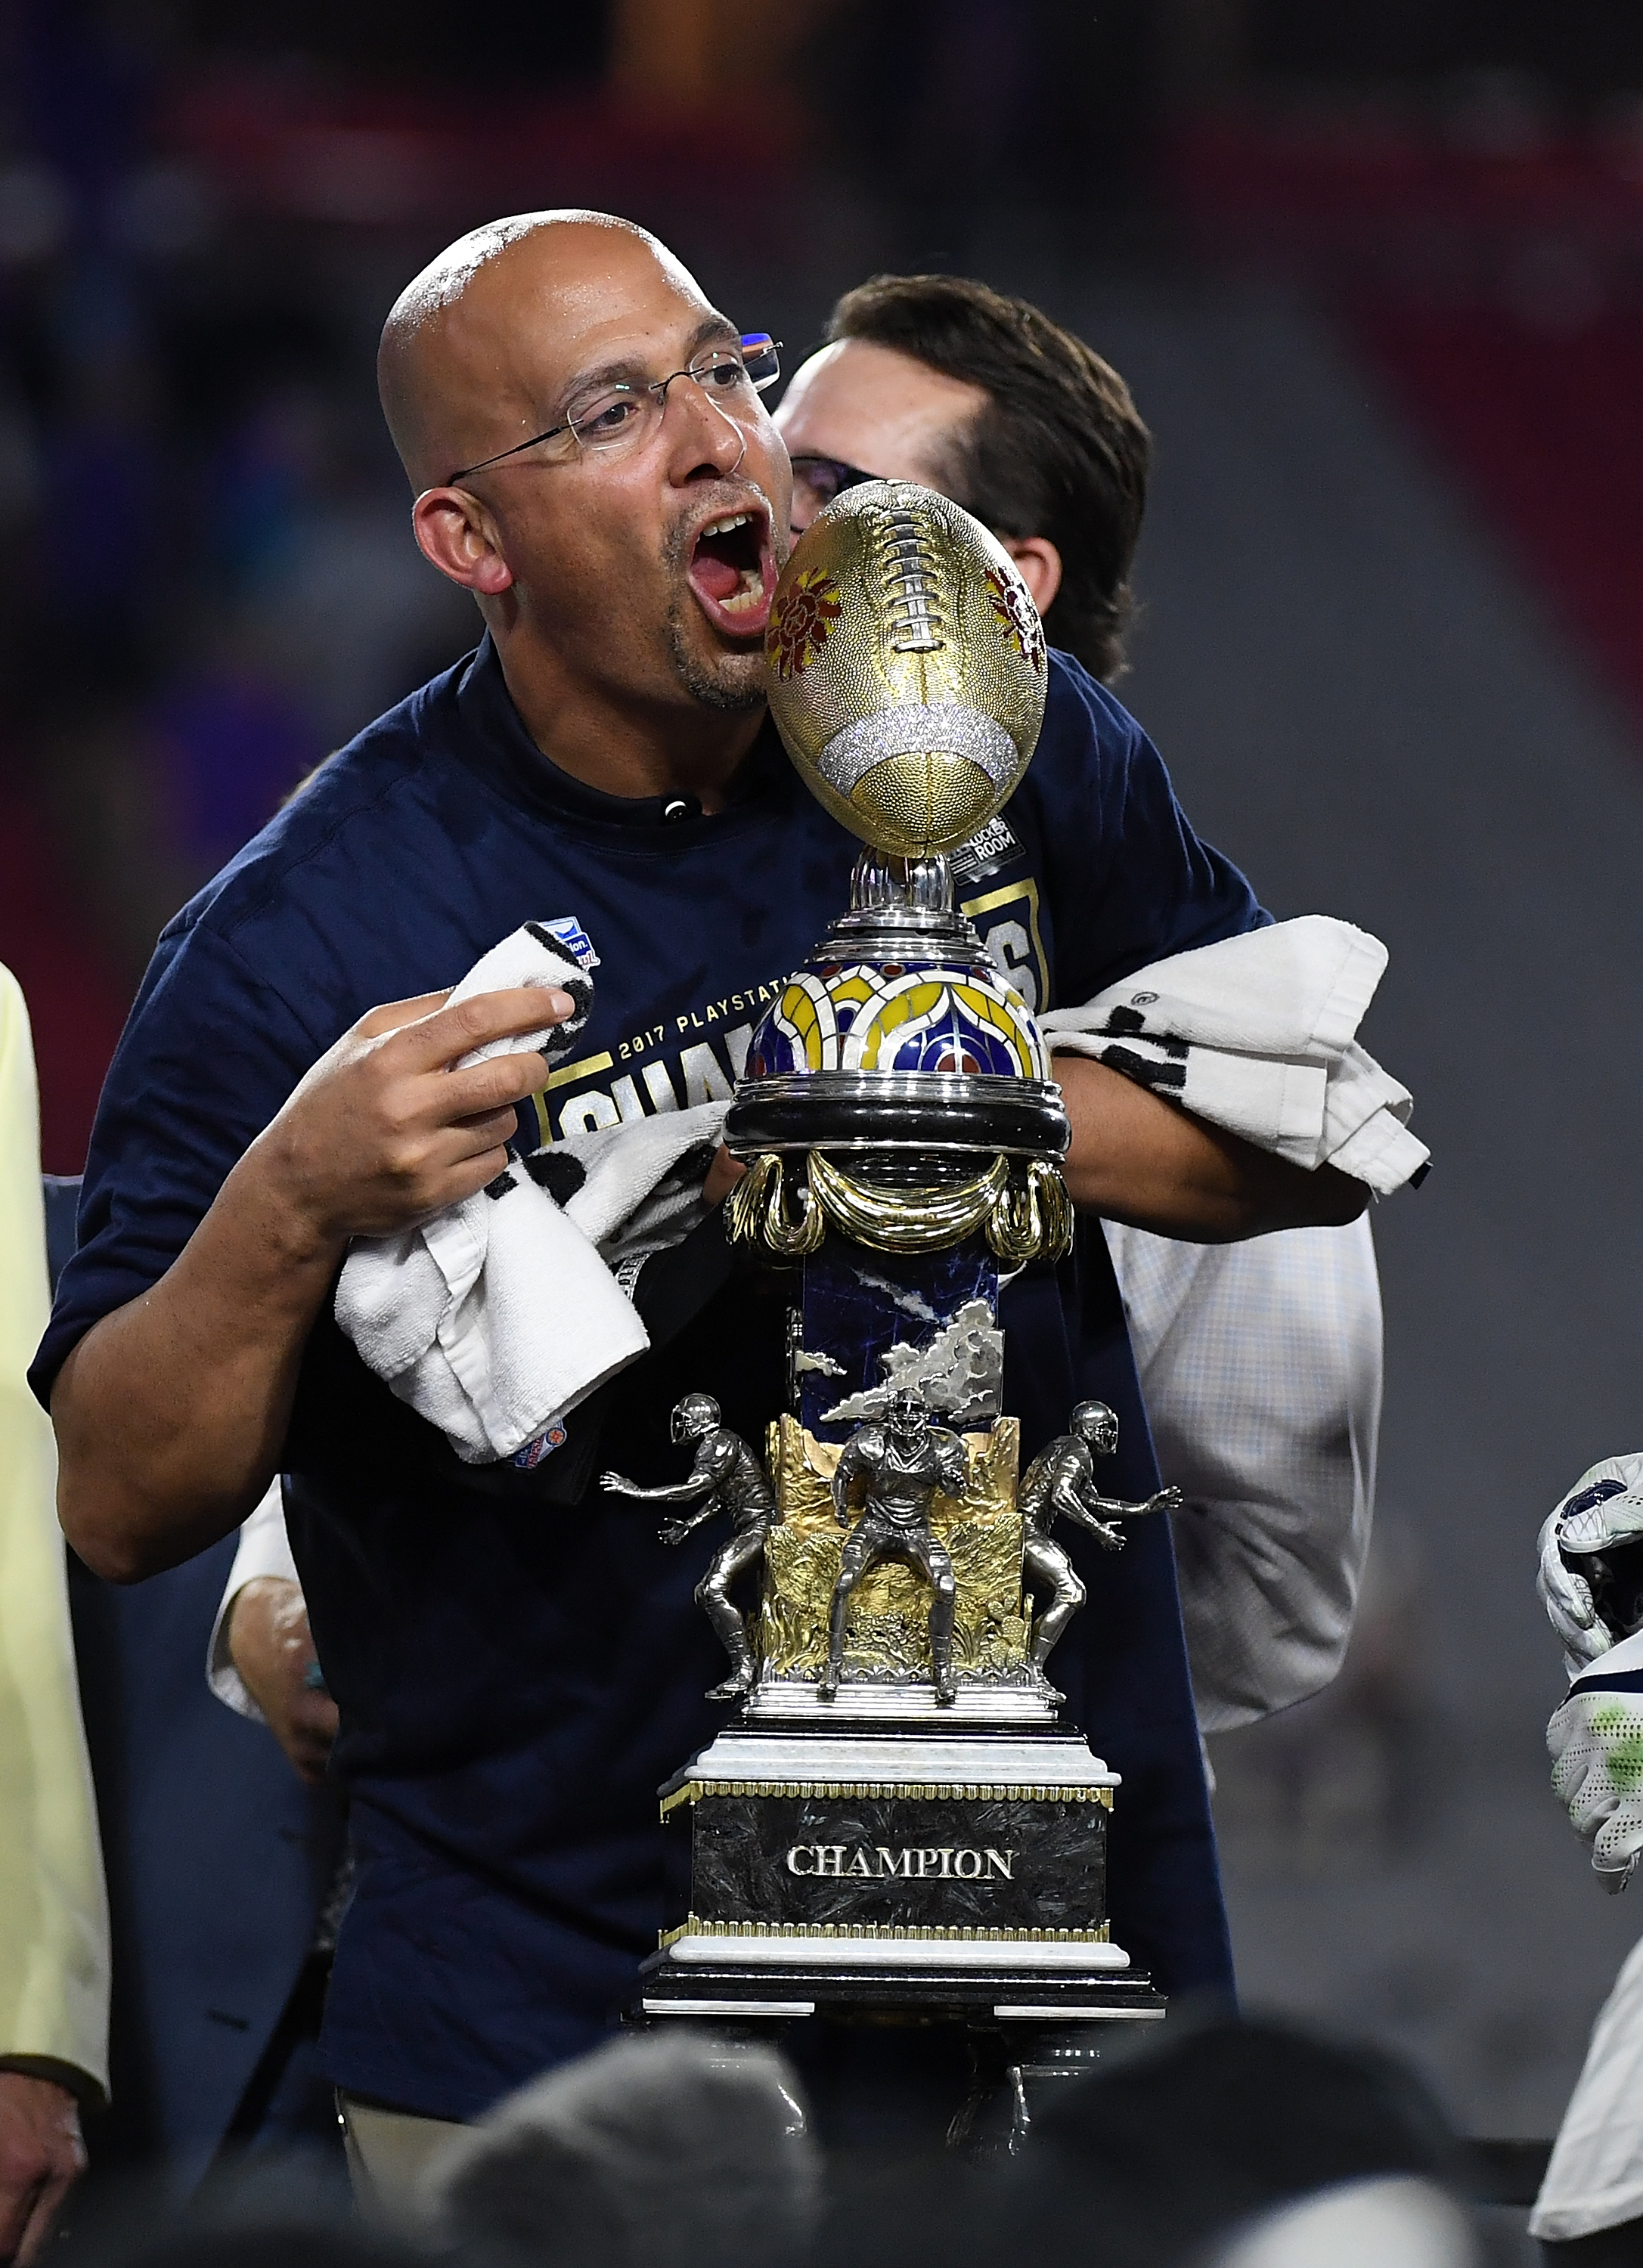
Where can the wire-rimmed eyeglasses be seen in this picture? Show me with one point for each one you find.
(618, 416)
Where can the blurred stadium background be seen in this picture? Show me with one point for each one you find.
(1376, 278)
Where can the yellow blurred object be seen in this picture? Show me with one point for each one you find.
(54, 1917)
(907, 667)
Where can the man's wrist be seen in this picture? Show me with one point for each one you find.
(82, 2087)
(268, 1188)
(256, 1644)
(261, 1589)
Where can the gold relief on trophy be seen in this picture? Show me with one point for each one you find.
(887, 1641)
(907, 667)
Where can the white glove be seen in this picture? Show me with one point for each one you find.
(1606, 1502)
(1595, 1742)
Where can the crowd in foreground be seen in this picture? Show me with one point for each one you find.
(1245, 2146)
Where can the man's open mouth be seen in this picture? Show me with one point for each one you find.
(733, 572)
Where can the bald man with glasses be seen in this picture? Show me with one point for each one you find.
(515, 1658)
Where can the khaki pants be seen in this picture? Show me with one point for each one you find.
(387, 2151)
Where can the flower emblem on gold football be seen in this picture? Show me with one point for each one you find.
(1019, 617)
(803, 620)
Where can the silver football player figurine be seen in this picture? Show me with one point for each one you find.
(902, 1461)
(1061, 1482)
(725, 1476)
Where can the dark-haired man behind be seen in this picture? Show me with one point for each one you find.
(939, 379)
(942, 379)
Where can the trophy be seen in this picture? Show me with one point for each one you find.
(897, 1822)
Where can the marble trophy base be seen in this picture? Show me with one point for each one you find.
(878, 1857)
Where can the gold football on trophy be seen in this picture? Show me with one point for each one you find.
(907, 667)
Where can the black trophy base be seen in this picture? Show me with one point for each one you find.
(736, 1993)
(869, 1864)
(1025, 2036)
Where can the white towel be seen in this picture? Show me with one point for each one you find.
(642, 1181)
(1257, 1035)
(556, 956)
(496, 1317)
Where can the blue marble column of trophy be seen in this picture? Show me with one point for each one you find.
(897, 1115)
(902, 1136)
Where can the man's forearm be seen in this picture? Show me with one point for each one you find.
(172, 1412)
(1137, 1158)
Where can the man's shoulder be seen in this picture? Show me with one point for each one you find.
(1089, 756)
(344, 834)
(1084, 724)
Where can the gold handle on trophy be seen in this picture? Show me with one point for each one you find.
(1027, 1219)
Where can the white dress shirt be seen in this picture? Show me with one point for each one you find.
(264, 1549)
(1260, 1368)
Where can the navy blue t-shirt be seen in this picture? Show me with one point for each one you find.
(516, 1657)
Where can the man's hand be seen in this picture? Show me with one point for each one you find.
(618, 1484)
(674, 1531)
(1570, 1609)
(1604, 1508)
(1139, 1160)
(172, 1412)
(722, 1176)
(1595, 1742)
(384, 1132)
(270, 1645)
(1166, 1499)
(41, 2157)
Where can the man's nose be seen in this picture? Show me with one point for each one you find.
(705, 434)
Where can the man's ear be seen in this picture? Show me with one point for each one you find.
(456, 534)
(1040, 564)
